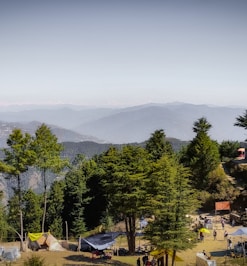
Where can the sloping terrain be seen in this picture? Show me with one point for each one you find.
(131, 124)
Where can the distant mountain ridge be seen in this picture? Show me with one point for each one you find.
(127, 125)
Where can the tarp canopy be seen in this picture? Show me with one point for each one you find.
(101, 241)
(158, 253)
(240, 232)
(222, 205)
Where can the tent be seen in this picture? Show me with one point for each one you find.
(240, 232)
(99, 241)
(47, 241)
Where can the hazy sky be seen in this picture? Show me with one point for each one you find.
(123, 52)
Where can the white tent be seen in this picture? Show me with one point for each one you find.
(240, 232)
(241, 247)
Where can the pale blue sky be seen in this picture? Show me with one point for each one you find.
(123, 52)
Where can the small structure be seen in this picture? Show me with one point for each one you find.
(203, 260)
(241, 153)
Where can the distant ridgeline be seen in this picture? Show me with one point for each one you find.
(89, 149)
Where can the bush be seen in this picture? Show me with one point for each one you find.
(34, 261)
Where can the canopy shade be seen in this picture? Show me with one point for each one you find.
(204, 230)
(101, 241)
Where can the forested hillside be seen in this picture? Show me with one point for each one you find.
(85, 185)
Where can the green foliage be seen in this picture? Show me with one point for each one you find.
(123, 180)
(107, 221)
(32, 211)
(34, 261)
(157, 145)
(242, 120)
(203, 157)
(170, 198)
(55, 207)
(219, 186)
(48, 150)
(228, 149)
(3, 220)
(18, 156)
(201, 126)
(13, 215)
(75, 198)
(48, 158)
(98, 202)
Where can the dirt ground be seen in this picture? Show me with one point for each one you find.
(217, 248)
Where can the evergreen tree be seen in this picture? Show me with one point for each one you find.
(18, 157)
(201, 125)
(48, 158)
(157, 145)
(98, 202)
(55, 206)
(202, 155)
(75, 195)
(228, 149)
(32, 211)
(242, 121)
(124, 184)
(170, 199)
(3, 220)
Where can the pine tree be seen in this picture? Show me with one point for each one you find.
(157, 145)
(124, 184)
(55, 206)
(242, 121)
(75, 195)
(3, 220)
(48, 158)
(32, 211)
(170, 199)
(18, 157)
(202, 155)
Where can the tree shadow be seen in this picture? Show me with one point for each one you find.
(91, 262)
(220, 253)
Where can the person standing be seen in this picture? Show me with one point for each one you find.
(223, 223)
(229, 243)
(145, 259)
(215, 234)
(138, 262)
(225, 234)
(201, 236)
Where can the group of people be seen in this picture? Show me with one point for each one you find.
(146, 261)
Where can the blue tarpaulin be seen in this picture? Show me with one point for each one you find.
(101, 241)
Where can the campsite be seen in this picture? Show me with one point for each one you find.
(58, 253)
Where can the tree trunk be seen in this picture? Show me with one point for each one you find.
(173, 257)
(130, 232)
(20, 210)
(45, 202)
(161, 261)
(167, 258)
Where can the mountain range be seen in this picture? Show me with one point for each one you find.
(73, 123)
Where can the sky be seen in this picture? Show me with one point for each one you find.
(123, 52)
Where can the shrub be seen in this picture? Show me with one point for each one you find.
(34, 261)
